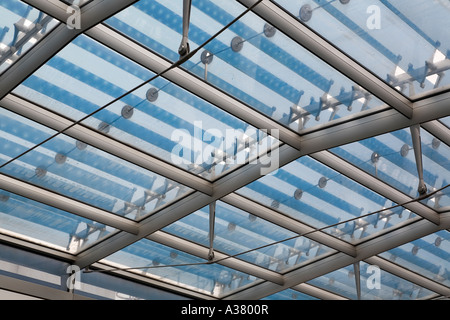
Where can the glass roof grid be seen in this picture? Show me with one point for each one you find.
(85, 76)
(319, 196)
(289, 294)
(376, 284)
(390, 157)
(428, 256)
(82, 172)
(21, 27)
(265, 66)
(247, 237)
(38, 223)
(400, 42)
(179, 268)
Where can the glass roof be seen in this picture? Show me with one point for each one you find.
(251, 60)
(253, 167)
(21, 27)
(403, 42)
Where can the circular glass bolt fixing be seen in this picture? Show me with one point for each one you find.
(237, 44)
(206, 57)
(438, 241)
(404, 150)
(40, 172)
(231, 226)
(323, 182)
(60, 158)
(81, 145)
(251, 217)
(104, 127)
(414, 250)
(156, 262)
(305, 13)
(375, 157)
(298, 194)
(152, 94)
(4, 197)
(275, 204)
(127, 111)
(269, 30)
(435, 143)
(173, 254)
(344, 1)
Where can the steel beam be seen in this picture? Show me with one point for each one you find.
(289, 223)
(55, 200)
(375, 184)
(105, 143)
(401, 236)
(409, 275)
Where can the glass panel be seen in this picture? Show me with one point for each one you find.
(445, 121)
(32, 221)
(237, 231)
(289, 294)
(404, 42)
(390, 157)
(82, 172)
(21, 27)
(251, 61)
(319, 196)
(376, 284)
(429, 256)
(159, 118)
(179, 268)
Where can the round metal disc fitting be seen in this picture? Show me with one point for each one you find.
(104, 127)
(269, 30)
(40, 172)
(298, 194)
(305, 13)
(206, 57)
(4, 197)
(237, 44)
(152, 94)
(60, 158)
(375, 157)
(404, 150)
(323, 182)
(127, 111)
(275, 204)
(435, 143)
(81, 145)
(344, 1)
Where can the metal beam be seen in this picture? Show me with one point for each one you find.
(401, 236)
(409, 275)
(105, 143)
(91, 14)
(184, 79)
(375, 184)
(185, 206)
(37, 290)
(292, 27)
(289, 223)
(55, 200)
(202, 252)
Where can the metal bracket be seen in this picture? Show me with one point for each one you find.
(357, 272)
(212, 219)
(417, 145)
(184, 49)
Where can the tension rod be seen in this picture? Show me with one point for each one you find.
(417, 145)
(212, 219)
(184, 49)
